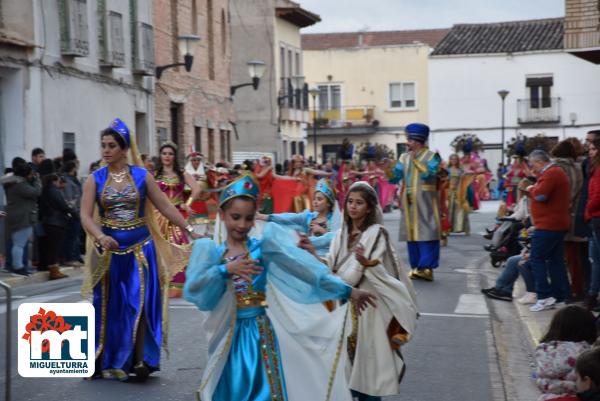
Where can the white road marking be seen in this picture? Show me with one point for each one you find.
(472, 304)
(39, 298)
(453, 315)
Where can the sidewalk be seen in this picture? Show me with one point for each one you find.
(37, 277)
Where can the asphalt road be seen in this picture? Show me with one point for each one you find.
(452, 356)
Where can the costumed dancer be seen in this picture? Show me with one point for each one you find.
(458, 205)
(471, 166)
(443, 188)
(263, 171)
(286, 351)
(172, 181)
(127, 271)
(516, 172)
(363, 256)
(195, 167)
(293, 194)
(420, 224)
(320, 224)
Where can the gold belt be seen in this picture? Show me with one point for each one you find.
(118, 225)
(252, 300)
(428, 188)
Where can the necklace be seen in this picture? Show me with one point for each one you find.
(119, 177)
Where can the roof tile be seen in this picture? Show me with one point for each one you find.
(348, 40)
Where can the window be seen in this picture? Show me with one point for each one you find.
(211, 145)
(403, 95)
(174, 32)
(194, 17)
(73, 27)
(301, 148)
(540, 89)
(163, 135)
(282, 61)
(293, 145)
(298, 66)
(198, 139)
(210, 34)
(69, 140)
(223, 32)
(290, 65)
(223, 145)
(144, 50)
(112, 41)
(330, 97)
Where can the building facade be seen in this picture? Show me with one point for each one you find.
(370, 86)
(67, 68)
(272, 118)
(582, 29)
(193, 109)
(550, 92)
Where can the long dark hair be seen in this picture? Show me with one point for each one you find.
(572, 323)
(159, 165)
(371, 198)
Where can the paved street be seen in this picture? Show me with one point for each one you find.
(452, 357)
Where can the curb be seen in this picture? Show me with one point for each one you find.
(38, 277)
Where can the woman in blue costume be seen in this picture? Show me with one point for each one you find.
(126, 277)
(321, 224)
(263, 345)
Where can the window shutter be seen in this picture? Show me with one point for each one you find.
(409, 94)
(73, 27)
(543, 81)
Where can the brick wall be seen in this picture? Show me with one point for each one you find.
(205, 102)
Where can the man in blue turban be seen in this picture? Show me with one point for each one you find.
(420, 225)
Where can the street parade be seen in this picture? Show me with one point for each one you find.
(400, 213)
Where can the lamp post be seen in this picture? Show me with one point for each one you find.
(186, 45)
(503, 93)
(256, 69)
(314, 92)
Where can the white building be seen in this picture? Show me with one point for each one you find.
(550, 91)
(67, 68)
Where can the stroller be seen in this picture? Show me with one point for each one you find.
(505, 241)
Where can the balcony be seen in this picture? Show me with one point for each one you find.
(346, 117)
(536, 111)
(293, 103)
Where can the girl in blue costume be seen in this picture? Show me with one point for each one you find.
(262, 344)
(126, 276)
(321, 224)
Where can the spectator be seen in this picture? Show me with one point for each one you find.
(587, 373)
(572, 331)
(592, 216)
(46, 167)
(564, 155)
(72, 192)
(506, 280)
(55, 214)
(37, 157)
(7, 180)
(21, 213)
(549, 198)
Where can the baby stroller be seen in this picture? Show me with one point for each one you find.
(505, 241)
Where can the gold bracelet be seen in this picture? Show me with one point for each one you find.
(189, 201)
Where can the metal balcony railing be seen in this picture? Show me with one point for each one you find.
(293, 99)
(345, 116)
(540, 110)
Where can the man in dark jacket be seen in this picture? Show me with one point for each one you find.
(21, 210)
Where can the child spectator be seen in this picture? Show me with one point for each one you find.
(572, 331)
(587, 371)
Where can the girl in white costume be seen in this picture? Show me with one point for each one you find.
(361, 254)
(269, 338)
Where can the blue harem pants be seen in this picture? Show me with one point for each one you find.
(424, 254)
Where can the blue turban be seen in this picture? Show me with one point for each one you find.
(417, 132)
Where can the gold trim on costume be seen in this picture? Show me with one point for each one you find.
(118, 225)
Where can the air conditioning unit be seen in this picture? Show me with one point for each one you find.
(112, 40)
(73, 28)
(143, 62)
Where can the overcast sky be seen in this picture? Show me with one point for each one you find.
(379, 15)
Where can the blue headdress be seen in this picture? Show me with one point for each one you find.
(324, 187)
(417, 132)
(243, 186)
(117, 125)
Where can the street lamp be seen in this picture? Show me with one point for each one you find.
(186, 45)
(314, 92)
(503, 93)
(256, 69)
